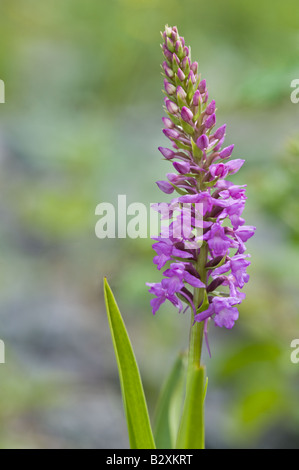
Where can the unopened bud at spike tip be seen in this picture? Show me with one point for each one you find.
(200, 180)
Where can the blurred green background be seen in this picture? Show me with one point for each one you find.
(81, 124)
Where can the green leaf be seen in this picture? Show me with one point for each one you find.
(205, 303)
(191, 431)
(169, 406)
(195, 150)
(139, 428)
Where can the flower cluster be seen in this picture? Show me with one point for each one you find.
(213, 262)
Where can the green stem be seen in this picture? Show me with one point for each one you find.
(191, 433)
(196, 329)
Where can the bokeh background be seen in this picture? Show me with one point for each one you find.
(81, 124)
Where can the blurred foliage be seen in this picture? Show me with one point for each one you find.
(283, 202)
(81, 125)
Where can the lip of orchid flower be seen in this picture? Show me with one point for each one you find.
(200, 179)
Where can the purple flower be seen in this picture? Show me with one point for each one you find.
(205, 227)
(225, 314)
(219, 243)
(162, 291)
(178, 274)
(165, 249)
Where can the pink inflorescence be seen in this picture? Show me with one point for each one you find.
(201, 165)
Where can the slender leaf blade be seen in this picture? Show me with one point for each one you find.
(191, 432)
(169, 406)
(138, 422)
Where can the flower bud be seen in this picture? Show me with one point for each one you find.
(176, 59)
(167, 153)
(226, 152)
(171, 134)
(181, 75)
(202, 86)
(181, 92)
(165, 187)
(194, 67)
(186, 114)
(185, 63)
(186, 51)
(167, 70)
(174, 36)
(220, 132)
(168, 30)
(170, 45)
(192, 77)
(179, 48)
(168, 122)
(210, 109)
(196, 98)
(182, 167)
(210, 122)
(202, 142)
(167, 53)
(169, 88)
(172, 108)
